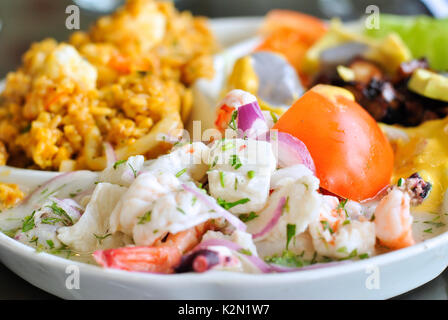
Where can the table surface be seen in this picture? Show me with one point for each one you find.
(20, 17)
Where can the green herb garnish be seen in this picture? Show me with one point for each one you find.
(28, 222)
(248, 216)
(133, 170)
(181, 172)
(245, 252)
(145, 218)
(235, 161)
(102, 238)
(116, 164)
(228, 205)
(50, 244)
(221, 179)
(232, 123)
(326, 226)
(290, 233)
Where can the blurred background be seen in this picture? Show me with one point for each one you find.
(25, 21)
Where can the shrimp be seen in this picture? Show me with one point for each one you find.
(232, 101)
(393, 220)
(162, 257)
(338, 234)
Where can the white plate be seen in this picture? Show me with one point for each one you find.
(379, 277)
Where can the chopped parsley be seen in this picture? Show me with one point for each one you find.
(342, 250)
(236, 183)
(221, 179)
(116, 164)
(61, 212)
(363, 256)
(235, 161)
(50, 220)
(341, 206)
(228, 205)
(215, 161)
(248, 216)
(180, 210)
(50, 244)
(286, 207)
(34, 240)
(326, 226)
(400, 182)
(181, 172)
(274, 117)
(428, 230)
(28, 222)
(288, 259)
(290, 233)
(435, 224)
(245, 252)
(145, 218)
(232, 123)
(227, 146)
(250, 174)
(352, 254)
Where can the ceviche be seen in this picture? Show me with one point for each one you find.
(254, 201)
(321, 143)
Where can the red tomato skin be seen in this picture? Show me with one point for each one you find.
(353, 157)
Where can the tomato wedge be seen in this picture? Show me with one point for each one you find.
(291, 34)
(353, 157)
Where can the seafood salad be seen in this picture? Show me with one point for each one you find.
(320, 144)
(248, 202)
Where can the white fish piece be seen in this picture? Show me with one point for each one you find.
(123, 173)
(138, 199)
(186, 162)
(241, 169)
(303, 202)
(92, 231)
(354, 238)
(172, 212)
(342, 232)
(234, 187)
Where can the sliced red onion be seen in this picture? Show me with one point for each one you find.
(111, 157)
(259, 263)
(237, 223)
(251, 120)
(70, 210)
(274, 220)
(289, 150)
(256, 261)
(72, 203)
(45, 184)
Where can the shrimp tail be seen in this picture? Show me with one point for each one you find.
(140, 259)
(405, 240)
